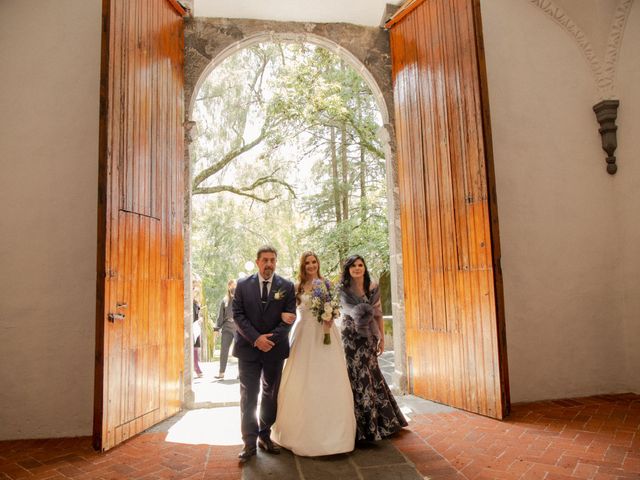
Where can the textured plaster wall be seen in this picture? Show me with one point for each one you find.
(628, 194)
(567, 230)
(50, 56)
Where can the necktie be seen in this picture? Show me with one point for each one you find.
(265, 284)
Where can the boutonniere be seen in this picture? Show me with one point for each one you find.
(279, 294)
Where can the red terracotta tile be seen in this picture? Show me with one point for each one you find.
(558, 476)
(592, 438)
(584, 470)
(632, 464)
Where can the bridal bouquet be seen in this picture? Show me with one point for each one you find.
(325, 305)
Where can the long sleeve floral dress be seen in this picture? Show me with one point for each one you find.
(377, 413)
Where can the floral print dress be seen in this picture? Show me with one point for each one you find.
(377, 413)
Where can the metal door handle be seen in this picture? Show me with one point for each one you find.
(112, 317)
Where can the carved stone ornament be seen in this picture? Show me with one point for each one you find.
(606, 113)
(603, 67)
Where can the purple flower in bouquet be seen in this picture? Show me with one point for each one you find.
(325, 305)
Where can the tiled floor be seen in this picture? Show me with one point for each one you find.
(589, 438)
(147, 456)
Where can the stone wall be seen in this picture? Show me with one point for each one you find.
(209, 40)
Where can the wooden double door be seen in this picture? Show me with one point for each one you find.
(456, 344)
(451, 257)
(140, 306)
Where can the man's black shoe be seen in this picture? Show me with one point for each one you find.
(268, 446)
(246, 453)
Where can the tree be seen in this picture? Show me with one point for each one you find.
(341, 120)
(230, 112)
(297, 164)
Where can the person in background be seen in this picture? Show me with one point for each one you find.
(226, 326)
(197, 328)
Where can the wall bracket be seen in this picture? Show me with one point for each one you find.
(606, 113)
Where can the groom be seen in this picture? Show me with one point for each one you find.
(261, 345)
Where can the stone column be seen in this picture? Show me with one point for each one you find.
(188, 396)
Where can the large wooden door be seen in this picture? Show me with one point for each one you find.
(139, 341)
(453, 293)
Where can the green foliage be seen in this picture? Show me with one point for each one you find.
(299, 118)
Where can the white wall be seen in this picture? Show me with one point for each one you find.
(50, 67)
(560, 214)
(628, 193)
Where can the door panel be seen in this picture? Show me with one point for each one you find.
(140, 246)
(453, 291)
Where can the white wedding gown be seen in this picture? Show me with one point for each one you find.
(315, 403)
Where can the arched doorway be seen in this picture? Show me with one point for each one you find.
(196, 74)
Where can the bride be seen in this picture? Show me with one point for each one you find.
(315, 403)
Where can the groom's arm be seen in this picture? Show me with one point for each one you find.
(281, 332)
(242, 322)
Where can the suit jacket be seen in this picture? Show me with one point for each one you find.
(225, 318)
(253, 319)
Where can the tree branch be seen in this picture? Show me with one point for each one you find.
(226, 159)
(247, 191)
(229, 188)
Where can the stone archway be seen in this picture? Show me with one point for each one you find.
(366, 49)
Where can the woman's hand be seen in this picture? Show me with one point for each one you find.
(288, 318)
(380, 346)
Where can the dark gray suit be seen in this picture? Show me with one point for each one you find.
(227, 328)
(253, 319)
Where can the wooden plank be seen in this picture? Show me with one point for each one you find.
(103, 247)
(406, 8)
(139, 214)
(178, 8)
(493, 214)
(453, 329)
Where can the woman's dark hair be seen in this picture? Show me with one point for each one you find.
(345, 280)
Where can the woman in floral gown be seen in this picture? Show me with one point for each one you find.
(377, 413)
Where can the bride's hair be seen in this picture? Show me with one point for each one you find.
(345, 280)
(302, 273)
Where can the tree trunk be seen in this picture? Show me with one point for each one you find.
(361, 167)
(363, 192)
(344, 187)
(334, 174)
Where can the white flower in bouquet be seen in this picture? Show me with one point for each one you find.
(324, 305)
